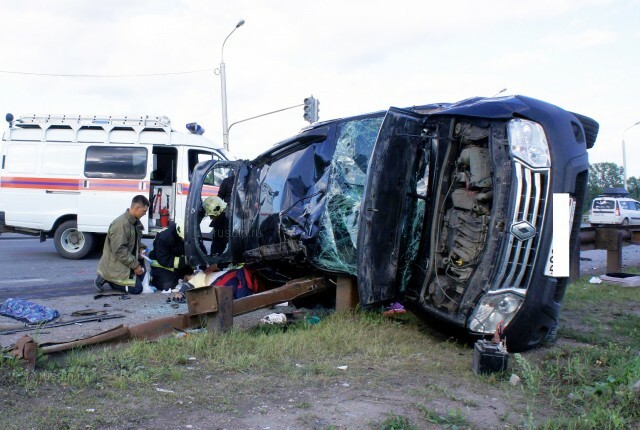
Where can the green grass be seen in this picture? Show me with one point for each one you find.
(593, 381)
(453, 419)
(301, 350)
(586, 381)
(395, 422)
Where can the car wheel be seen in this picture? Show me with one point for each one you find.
(625, 221)
(72, 243)
(590, 128)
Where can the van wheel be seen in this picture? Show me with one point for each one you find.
(625, 221)
(72, 243)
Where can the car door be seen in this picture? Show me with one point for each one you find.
(634, 207)
(205, 175)
(382, 213)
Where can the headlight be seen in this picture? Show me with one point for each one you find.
(492, 310)
(528, 142)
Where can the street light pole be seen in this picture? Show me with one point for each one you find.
(223, 91)
(624, 154)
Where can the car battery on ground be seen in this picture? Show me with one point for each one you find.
(489, 357)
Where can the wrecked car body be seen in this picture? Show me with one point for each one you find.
(444, 207)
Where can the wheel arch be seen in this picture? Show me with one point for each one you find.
(59, 221)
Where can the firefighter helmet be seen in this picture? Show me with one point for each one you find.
(214, 206)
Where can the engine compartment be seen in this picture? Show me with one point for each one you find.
(464, 217)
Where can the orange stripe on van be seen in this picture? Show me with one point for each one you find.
(41, 183)
(207, 190)
(73, 184)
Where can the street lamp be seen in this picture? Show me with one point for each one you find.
(223, 83)
(624, 154)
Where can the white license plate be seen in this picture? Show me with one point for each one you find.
(549, 268)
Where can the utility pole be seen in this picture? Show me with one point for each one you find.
(223, 90)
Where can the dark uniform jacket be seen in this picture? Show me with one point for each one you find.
(168, 256)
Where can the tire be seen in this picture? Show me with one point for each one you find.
(590, 128)
(71, 243)
(625, 222)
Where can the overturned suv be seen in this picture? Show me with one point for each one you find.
(446, 208)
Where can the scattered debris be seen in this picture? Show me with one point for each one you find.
(342, 367)
(27, 351)
(109, 294)
(164, 390)
(86, 312)
(514, 380)
(274, 318)
(491, 356)
(595, 280)
(628, 280)
(29, 312)
(61, 324)
(312, 319)
(394, 309)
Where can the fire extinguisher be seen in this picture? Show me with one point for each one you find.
(164, 217)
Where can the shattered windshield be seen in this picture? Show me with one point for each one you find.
(338, 233)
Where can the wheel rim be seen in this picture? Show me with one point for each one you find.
(72, 240)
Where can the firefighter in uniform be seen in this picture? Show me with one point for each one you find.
(168, 264)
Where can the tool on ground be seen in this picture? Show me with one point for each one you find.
(61, 324)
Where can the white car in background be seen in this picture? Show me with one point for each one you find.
(614, 210)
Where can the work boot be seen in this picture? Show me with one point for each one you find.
(99, 282)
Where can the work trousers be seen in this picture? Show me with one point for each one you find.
(131, 290)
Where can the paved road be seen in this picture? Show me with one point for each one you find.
(30, 269)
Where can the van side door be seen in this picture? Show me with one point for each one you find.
(113, 175)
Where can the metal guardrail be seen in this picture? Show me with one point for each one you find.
(612, 239)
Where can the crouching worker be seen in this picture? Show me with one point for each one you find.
(168, 265)
(121, 263)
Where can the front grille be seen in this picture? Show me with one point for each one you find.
(531, 194)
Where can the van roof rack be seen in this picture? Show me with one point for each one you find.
(88, 120)
(615, 192)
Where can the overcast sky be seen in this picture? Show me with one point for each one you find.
(354, 56)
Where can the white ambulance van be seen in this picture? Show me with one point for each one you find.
(67, 177)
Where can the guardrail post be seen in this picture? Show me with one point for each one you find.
(222, 321)
(611, 240)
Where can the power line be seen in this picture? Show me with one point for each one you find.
(72, 75)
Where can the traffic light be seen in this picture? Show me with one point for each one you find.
(311, 109)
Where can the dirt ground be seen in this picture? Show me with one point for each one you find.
(357, 399)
